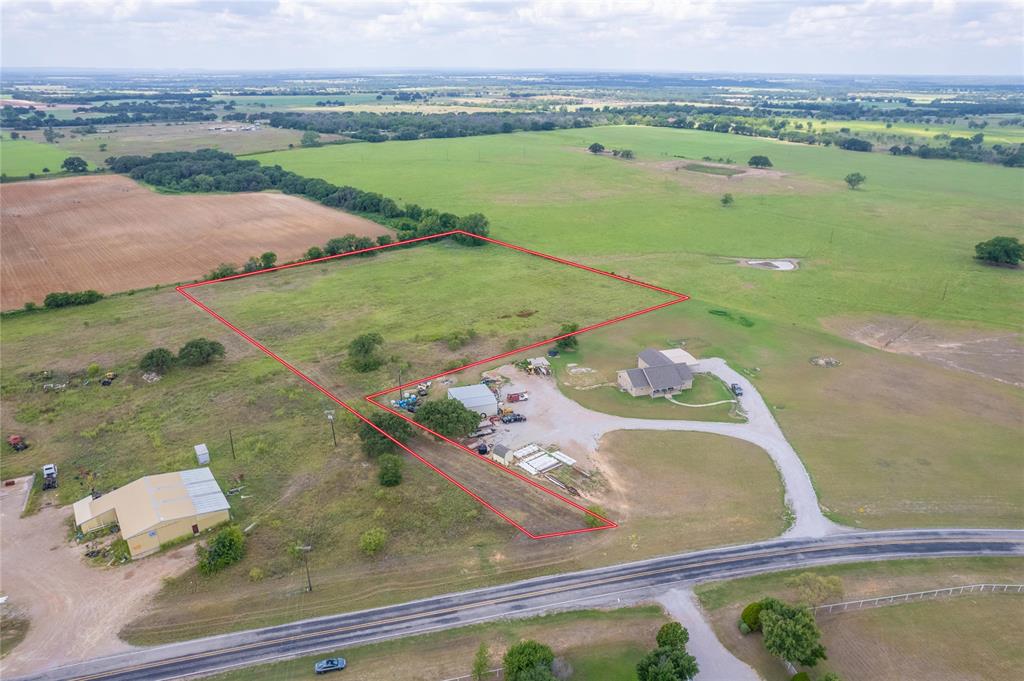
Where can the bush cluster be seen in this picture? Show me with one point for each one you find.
(226, 548)
(66, 299)
(196, 352)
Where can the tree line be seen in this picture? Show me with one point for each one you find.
(209, 170)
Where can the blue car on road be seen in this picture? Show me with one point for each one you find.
(331, 664)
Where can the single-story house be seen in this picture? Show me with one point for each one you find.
(656, 375)
(477, 397)
(157, 509)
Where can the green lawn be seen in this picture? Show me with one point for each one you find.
(18, 158)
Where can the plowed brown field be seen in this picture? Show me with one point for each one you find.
(110, 234)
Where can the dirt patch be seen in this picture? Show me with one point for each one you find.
(111, 234)
(774, 265)
(732, 178)
(994, 354)
(68, 595)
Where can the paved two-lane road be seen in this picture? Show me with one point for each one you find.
(543, 594)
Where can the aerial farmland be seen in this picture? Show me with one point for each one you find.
(606, 372)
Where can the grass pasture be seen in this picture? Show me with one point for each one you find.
(889, 441)
(967, 637)
(18, 158)
(644, 218)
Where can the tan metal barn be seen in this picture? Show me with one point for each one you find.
(157, 509)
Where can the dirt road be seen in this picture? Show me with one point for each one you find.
(554, 418)
(75, 610)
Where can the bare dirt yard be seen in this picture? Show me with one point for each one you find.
(111, 234)
(995, 354)
(49, 581)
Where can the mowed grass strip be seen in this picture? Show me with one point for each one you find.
(671, 491)
(965, 637)
(598, 644)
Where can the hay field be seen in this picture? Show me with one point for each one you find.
(111, 234)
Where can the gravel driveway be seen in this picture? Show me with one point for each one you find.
(554, 418)
(74, 610)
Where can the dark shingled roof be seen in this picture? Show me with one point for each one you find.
(638, 378)
(654, 358)
(668, 376)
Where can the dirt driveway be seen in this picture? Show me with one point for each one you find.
(75, 610)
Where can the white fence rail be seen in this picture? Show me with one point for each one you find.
(849, 606)
(496, 674)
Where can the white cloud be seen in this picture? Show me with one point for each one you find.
(698, 35)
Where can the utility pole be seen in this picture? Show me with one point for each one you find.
(305, 555)
(330, 417)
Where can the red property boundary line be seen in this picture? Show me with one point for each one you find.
(607, 524)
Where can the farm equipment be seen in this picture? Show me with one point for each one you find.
(17, 443)
(108, 378)
(50, 476)
(408, 403)
(505, 411)
(517, 397)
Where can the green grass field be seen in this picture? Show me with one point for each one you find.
(598, 644)
(965, 637)
(18, 158)
(894, 435)
(637, 217)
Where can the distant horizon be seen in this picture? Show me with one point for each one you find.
(944, 38)
(996, 78)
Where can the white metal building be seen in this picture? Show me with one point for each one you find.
(477, 397)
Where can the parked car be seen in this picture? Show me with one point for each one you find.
(736, 389)
(331, 664)
(513, 418)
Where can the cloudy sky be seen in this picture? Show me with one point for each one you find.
(828, 36)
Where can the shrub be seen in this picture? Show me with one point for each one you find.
(591, 521)
(93, 370)
(595, 148)
(390, 470)
(801, 676)
(222, 270)
(744, 629)
(751, 616)
(362, 352)
(524, 658)
(256, 574)
(759, 162)
(727, 200)
(29, 306)
(373, 540)
(200, 351)
(672, 635)
(66, 299)
(226, 548)
(157, 360)
(374, 443)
